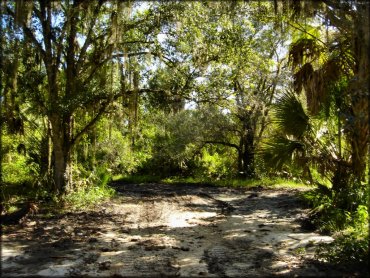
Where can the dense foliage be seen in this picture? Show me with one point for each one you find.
(211, 90)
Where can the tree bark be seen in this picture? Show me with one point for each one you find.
(246, 153)
(62, 154)
(360, 91)
(59, 166)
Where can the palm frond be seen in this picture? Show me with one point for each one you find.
(302, 77)
(280, 150)
(290, 116)
(317, 83)
(302, 50)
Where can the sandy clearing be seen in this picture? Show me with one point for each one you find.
(170, 230)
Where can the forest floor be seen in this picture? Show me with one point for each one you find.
(171, 230)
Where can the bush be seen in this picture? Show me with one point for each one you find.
(349, 228)
(90, 190)
(17, 167)
(214, 164)
(349, 248)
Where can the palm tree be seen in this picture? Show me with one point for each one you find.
(292, 141)
(308, 142)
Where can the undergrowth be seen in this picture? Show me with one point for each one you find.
(85, 196)
(232, 182)
(264, 182)
(349, 226)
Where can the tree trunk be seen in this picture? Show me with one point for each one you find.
(135, 107)
(360, 92)
(62, 155)
(59, 167)
(246, 152)
(240, 161)
(44, 154)
(50, 152)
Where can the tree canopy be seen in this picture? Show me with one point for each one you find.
(214, 88)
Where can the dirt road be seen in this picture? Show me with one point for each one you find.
(170, 230)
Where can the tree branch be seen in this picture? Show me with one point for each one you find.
(132, 54)
(223, 143)
(88, 37)
(27, 31)
(94, 120)
(300, 28)
(103, 109)
(138, 41)
(99, 64)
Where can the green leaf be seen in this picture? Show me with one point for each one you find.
(280, 150)
(290, 116)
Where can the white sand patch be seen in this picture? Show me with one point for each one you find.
(182, 235)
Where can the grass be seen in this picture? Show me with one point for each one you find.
(265, 182)
(136, 178)
(245, 183)
(87, 197)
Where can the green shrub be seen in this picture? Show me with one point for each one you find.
(16, 169)
(349, 228)
(214, 164)
(94, 189)
(351, 247)
(85, 197)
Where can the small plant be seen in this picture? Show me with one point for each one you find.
(96, 190)
(350, 229)
(88, 196)
(347, 248)
(299, 251)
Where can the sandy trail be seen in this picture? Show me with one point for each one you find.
(170, 230)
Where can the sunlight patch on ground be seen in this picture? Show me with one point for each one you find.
(105, 255)
(192, 266)
(185, 235)
(57, 270)
(227, 197)
(7, 252)
(187, 218)
(110, 235)
(235, 233)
